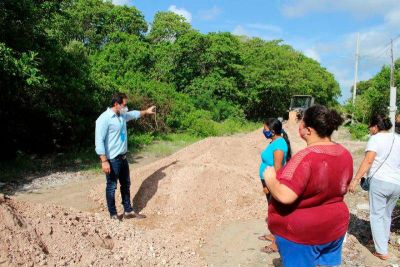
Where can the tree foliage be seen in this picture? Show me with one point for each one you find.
(373, 95)
(60, 61)
(167, 27)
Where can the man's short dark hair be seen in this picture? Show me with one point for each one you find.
(118, 97)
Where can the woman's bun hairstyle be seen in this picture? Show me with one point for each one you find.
(382, 122)
(322, 119)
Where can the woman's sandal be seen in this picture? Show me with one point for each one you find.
(269, 249)
(381, 256)
(267, 237)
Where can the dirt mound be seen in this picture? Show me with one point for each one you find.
(201, 187)
(184, 196)
(212, 179)
(19, 241)
(50, 235)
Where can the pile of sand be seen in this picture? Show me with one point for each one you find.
(50, 235)
(197, 187)
(190, 193)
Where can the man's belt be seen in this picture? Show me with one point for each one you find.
(119, 157)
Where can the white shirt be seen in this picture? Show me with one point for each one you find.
(381, 143)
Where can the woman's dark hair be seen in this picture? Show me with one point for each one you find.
(275, 125)
(322, 119)
(118, 97)
(382, 122)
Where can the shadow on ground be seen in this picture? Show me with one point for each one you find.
(361, 229)
(149, 188)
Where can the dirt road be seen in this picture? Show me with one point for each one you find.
(204, 206)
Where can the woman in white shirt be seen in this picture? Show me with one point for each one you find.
(382, 162)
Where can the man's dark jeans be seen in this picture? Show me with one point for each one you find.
(119, 171)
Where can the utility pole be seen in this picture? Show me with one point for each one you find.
(392, 105)
(355, 76)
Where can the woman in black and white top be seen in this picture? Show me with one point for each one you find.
(382, 162)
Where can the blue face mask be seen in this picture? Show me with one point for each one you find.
(267, 134)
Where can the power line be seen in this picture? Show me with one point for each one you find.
(380, 52)
(378, 55)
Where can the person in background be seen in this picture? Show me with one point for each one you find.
(397, 124)
(276, 154)
(307, 214)
(112, 145)
(381, 163)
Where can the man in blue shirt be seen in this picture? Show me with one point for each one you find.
(112, 146)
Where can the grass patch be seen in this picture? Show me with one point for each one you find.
(232, 126)
(205, 127)
(165, 145)
(358, 131)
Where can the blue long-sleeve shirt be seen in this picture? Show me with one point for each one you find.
(111, 135)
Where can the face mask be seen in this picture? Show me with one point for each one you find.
(123, 110)
(267, 134)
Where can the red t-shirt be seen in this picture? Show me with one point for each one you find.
(320, 176)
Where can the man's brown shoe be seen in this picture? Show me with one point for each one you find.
(132, 214)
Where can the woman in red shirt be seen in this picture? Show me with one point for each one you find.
(307, 214)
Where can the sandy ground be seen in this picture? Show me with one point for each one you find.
(204, 207)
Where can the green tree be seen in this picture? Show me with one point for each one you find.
(124, 55)
(93, 21)
(47, 98)
(189, 58)
(373, 95)
(61, 60)
(168, 27)
(274, 72)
